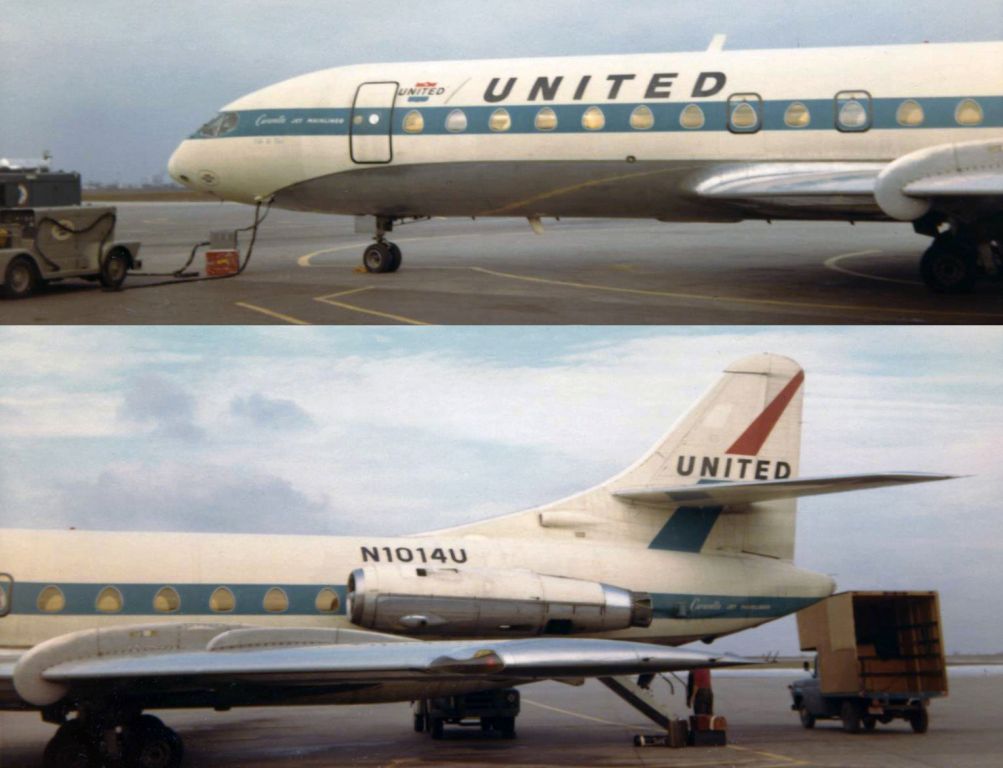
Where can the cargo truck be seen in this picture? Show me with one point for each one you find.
(880, 657)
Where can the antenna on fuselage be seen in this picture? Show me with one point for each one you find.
(717, 44)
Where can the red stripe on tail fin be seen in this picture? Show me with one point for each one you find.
(752, 441)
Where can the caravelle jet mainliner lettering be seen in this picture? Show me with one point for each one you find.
(659, 86)
(732, 468)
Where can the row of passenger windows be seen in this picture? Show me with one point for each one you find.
(745, 115)
(167, 600)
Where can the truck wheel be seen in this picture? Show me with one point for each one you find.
(437, 729)
(21, 278)
(807, 718)
(507, 727)
(850, 715)
(919, 719)
(114, 269)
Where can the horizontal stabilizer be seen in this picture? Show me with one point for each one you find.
(722, 494)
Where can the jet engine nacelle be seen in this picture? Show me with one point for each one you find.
(446, 602)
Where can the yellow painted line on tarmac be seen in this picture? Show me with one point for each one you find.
(785, 760)
(350, 292)
(904, 312)
(277, 315)
(362, 310)
(834, 265)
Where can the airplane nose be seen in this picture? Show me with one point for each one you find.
(177, 167)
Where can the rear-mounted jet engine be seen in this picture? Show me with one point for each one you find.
(446, 602)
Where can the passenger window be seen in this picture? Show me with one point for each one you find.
(692, 118)
(745, 112)
(327, 601)
(222, 601)
(6, 585)
(109, 600)
(593, 119)
(911, 114)
(167, 600)
(853, 111)
(275, 601)
(546, 120)
(969, 113)
(51, 600)
(457, 121)
(797, 116)
(501, 121)
(642, 119)
(414, 122)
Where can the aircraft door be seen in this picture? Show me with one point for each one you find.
(6, 593)
(371, 131)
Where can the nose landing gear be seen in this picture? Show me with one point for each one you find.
(382, 257)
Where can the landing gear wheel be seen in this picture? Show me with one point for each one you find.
(919, 719)
(419, 723)
(379, 259)
(21, 278)
(114, 270)
(151, 744)
(71, 747)
(398, 257)
(807, 718)
(850, 715)
(870, 723)
(951, 266)
(507, 727)
(437, 729)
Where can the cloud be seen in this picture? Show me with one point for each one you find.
(270, 413)
(158, 402)
(187, 496)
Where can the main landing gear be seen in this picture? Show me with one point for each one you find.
(382, 257)
(961, 255)
(133, 741)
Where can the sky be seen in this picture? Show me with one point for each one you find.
(395, 431)
(111, 87)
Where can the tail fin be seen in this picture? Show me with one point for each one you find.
(748, 427)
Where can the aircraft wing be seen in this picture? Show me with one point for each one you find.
(175, 665)
(779, 180)
(722, 494)
(940, 177)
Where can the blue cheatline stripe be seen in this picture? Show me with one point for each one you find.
(939, 112)
(138, 601)
(687, 529)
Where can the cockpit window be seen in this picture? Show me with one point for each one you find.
(220, 125)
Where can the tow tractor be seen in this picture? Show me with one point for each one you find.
(490, 710)
(43, 245)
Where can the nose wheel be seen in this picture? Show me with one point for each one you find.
(382, 258)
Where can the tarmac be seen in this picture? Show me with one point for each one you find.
(305, 270)
(568, 726)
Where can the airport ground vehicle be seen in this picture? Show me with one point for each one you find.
(880, 658)
(41, 245)
(491, 710)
